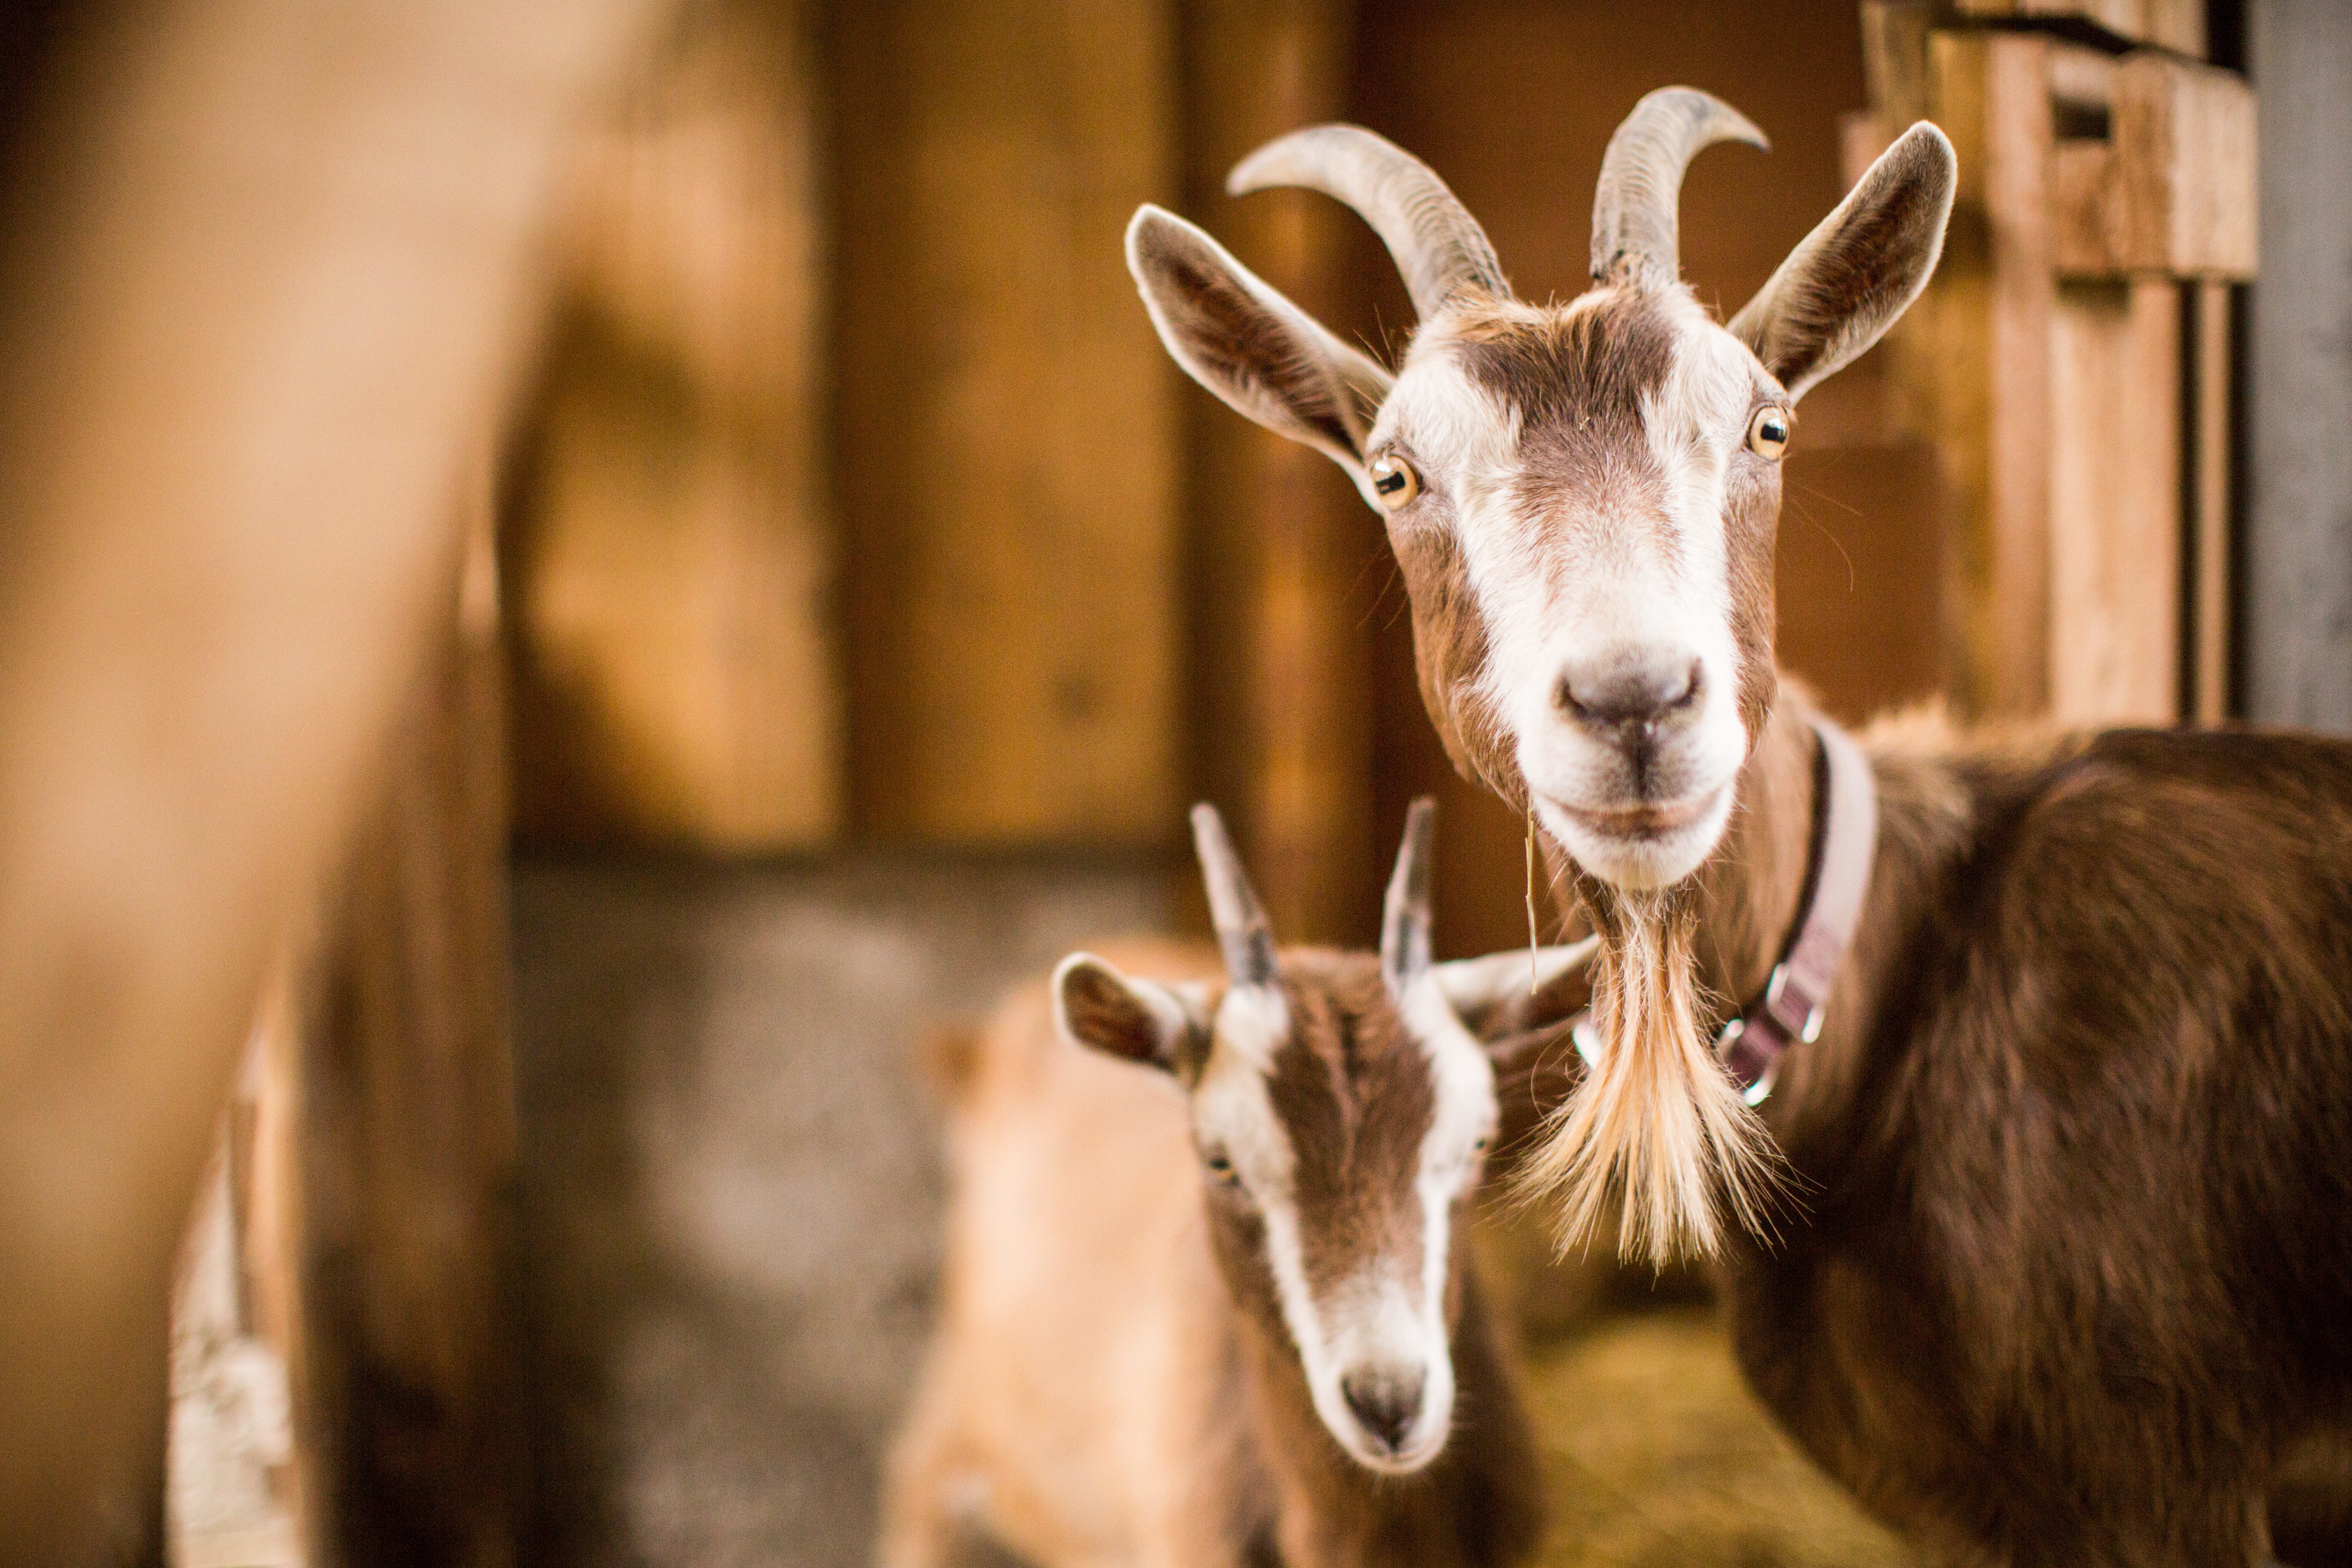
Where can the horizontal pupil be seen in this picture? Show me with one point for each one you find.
(1393, 480)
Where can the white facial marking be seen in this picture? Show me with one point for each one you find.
(1612, 576)
(1387, 1317)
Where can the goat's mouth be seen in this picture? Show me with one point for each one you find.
(1648, 845)
(1413, 1455)
(1647, 822)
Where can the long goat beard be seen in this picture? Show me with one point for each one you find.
(1657, 1122)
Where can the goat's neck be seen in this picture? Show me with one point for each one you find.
(1751, 886)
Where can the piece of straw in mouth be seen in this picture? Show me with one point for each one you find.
(1531, 897)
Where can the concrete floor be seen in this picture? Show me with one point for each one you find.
(730, 1199)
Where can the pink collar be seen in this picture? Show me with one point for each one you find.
(1837, 879)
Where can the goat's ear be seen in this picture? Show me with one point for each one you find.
(1504, 994)
(1265, 356)
(1860, 270)
(1125, 1016)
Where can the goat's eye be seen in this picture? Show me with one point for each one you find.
(1393, 480)
(1767, 433)
(1222, 1168)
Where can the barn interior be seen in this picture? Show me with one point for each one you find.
(811, 599)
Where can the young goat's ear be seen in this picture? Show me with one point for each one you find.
(1135, 1019)
(1265, 356)
(1860, 270)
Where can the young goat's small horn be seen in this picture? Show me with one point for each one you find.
(1437, 245)
(1405, 917)
(1242, 930)
(1635, 226)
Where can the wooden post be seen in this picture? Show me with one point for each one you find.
(2212, 614)
(1977, 345)
(1281, 671)
(277, 292)
(406, 1386)
(1006, 451)
(2049, 363)
(668, 535)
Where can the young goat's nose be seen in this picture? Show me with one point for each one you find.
(1629, 688)
(1387, 1400)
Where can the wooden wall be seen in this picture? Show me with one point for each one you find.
(668, 533)
(860, 504)
(1004, 453)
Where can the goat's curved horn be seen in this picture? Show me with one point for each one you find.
(1437, 245)
(1405, 917)
(1635, 230)
(1241, 931)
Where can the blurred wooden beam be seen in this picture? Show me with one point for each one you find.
(408, 1411)
(267, 295)
(1282, 656)
(669, 536)
(1007, 452)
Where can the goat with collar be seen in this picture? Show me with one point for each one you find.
(2042, 1243)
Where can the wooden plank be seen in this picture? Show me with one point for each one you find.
(2115, 511)
(1976, 361)
(2171, 188)
(406, 1412)
(2175, 25)
(1281, 654)
(2186, 175)
(669, 540)
(2213, 522)
(1007, 443)
(281, 288)
(1894, 59)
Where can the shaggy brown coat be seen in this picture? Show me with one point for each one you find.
(2066, 1274)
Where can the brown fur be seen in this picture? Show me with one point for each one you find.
(1111, 1379)
(2069, 1276)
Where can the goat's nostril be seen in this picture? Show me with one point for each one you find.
(1623, 691)
(1386, 1401)
(1692, 680)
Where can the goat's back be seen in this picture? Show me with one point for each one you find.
(2081, 1245)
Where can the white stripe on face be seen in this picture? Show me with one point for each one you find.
(1385, 1317)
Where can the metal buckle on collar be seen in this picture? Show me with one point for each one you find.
(1813, 1025)
(1736, 1026)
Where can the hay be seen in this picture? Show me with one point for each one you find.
(1656, 1456)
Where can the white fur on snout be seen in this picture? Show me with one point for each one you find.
(1387, 1314)
(1608, 578)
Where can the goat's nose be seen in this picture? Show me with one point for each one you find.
(1387, 1400)
(1630, 688)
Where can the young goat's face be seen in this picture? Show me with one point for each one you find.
(1583, 499)
(1342, 1111)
